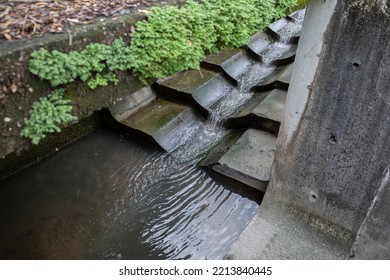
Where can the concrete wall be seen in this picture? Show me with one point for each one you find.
(334, 148)
(19, 88)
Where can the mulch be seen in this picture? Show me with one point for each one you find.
(27, 18)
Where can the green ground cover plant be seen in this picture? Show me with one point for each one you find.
(47, 115)
(170, 40)
(95, 64)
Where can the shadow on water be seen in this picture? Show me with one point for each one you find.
(105, 197)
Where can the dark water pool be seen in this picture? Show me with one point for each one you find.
(105, 197)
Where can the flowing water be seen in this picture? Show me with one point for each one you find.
(105, 197)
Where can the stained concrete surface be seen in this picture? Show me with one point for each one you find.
(250, 159)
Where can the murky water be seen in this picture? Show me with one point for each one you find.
(105, 197)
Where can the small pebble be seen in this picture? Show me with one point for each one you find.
(7, 119)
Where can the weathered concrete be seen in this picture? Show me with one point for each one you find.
(257, 44)
(274, 28)
(220, 60)
(286, 58)
(283, 75)
(127, 105)
(180, 87)
(249, 160)
(279, 80)
(272, 106)
(157, 120)
(287, 28)
(373, 237)
(213, 90)
(237, 65)
(202, 90)
(332, 162)
(265, 116)
(265, 111)
(282, 233)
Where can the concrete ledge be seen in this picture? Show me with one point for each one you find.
(265, 116)
(278, 232)
(249, 160)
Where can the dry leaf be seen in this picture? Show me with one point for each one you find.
(14, 88)
(5, 31)
(73, 20)
(43, 13)
(5, 24)
(7, 36)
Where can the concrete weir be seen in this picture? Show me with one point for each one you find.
(233, 104)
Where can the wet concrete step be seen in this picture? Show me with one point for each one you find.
(182, 86)
(245, 71)
(257, 44)
(199, 89)
(279, 80)
(231, 63)
(297, 16)
(265, 115)
(249, 160)
(159, 121)
(130, 103)
(286, 29)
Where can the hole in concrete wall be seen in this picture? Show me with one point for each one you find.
(332, 139)
(356, 64)
(313, 196)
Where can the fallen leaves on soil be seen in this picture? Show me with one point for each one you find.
(26, 18)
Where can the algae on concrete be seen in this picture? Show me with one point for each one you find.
(154, 116)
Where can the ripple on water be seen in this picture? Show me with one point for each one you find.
(193, 216)
(106, 198)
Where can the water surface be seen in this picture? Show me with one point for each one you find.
(105, 197)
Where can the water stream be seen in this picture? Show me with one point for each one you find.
(105, 197)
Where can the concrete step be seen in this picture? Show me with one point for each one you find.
(286, 29)
(161, 122)
(232, 63)
(279, 54)
(273, 28)
(221, 60)
(257, 44)
(130, 103)
(249, 160)
(198, 89)
(297, 16)
(181, 86)
(279, 80)
(265, 115)
(244, 71)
